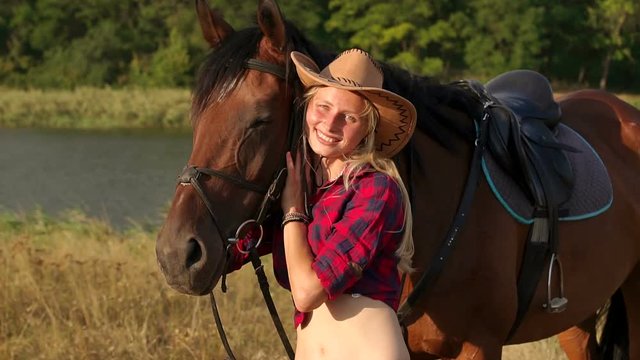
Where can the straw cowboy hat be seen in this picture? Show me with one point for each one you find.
(355, 70)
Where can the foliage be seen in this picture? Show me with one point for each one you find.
(563, 42)
(66, 43)
(498, 41)
(409, 33)
(618, 22)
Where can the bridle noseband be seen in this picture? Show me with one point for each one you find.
(190, 176)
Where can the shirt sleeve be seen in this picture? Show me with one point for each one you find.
(371, 215)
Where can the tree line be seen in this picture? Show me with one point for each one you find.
(69, 43)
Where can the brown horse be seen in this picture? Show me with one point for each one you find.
(241, 118)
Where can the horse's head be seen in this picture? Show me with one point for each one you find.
(240, 116)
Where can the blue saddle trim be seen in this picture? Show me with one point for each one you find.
(578, 210)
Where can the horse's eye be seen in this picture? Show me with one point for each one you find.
(259, 122)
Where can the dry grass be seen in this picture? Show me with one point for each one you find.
(73, 288)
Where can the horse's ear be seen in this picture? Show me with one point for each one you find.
(214, 28)
(271, 23)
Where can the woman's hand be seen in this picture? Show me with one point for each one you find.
(292, 194)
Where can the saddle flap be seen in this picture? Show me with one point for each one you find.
(549, 161)
(503, 141)
(521, 136)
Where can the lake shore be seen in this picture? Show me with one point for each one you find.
(108, 109)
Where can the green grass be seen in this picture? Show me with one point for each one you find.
(633, 99)
(75, 288)
(94, 108)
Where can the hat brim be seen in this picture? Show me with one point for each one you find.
(397, 114)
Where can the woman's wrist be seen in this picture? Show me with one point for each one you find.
(295, 216)
(288, 209)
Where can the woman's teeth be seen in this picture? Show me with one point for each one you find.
(326, 138)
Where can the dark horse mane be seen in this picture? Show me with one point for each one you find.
(443, 109)
(438, 105)
(224, 66)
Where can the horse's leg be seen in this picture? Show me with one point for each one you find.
(631, 293)
(579, 342)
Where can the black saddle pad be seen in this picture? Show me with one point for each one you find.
(592, 193)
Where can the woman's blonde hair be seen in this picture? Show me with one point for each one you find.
(365, 154)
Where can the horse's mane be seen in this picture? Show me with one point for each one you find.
(439, 106)
(224, 67)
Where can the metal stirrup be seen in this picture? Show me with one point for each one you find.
(557, 304)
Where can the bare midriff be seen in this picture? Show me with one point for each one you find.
(351, 327)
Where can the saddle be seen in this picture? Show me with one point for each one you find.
(521, 138)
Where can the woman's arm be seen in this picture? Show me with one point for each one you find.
(306, 289)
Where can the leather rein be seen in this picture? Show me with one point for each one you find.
(190, 177)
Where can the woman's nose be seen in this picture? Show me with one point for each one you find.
(333, 121)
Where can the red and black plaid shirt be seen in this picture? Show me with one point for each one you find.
(353, 236)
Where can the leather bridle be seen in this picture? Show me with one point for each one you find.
(190, 177)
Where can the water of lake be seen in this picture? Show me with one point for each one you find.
(122, 177)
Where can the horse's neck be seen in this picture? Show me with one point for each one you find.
(435, 164)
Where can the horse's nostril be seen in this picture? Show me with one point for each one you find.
(194, 253)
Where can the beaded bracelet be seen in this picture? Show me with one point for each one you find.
(295, 216)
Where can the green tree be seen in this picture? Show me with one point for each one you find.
(310, 17)
(503, 35)
(166, 46)
(617, 23)
(169, 65)
(567, 53)
(418, 35)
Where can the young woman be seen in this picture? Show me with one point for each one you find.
(344, 258)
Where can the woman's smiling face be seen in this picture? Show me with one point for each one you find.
(334, 122)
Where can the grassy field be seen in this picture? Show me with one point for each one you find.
(633, 99)
(74, 288)
(92, 108)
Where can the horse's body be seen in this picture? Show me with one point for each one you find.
(471, 298)
(472, 306)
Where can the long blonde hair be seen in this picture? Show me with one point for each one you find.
(365, 154)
